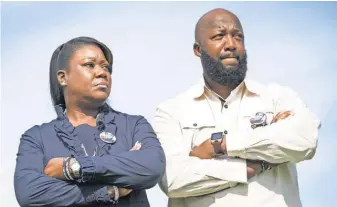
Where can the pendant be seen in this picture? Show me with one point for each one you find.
(107, 137)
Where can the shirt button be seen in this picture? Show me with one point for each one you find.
(225, 132)
(226, 106)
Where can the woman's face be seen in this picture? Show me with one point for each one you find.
(88, 79)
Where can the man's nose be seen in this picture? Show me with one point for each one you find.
(229, 43)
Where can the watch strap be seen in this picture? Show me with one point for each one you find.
(217, 147)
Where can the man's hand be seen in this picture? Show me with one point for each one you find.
(54, 168)
(204, 151)
(253, 168)
(282, 115)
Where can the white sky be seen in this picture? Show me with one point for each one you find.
(289, 43)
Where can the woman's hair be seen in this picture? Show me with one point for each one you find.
(60, 61)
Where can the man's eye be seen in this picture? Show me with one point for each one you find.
(218, 36)
(239, 36)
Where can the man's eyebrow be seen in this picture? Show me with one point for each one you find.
(231, 29)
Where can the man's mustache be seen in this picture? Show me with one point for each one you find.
(233, 54)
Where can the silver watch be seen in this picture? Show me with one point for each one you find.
(75, 168)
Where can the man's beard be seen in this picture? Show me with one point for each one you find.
(224, 74)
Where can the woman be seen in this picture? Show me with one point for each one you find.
(91, 154)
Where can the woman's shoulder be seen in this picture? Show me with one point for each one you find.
(37, 129)
(127, 118)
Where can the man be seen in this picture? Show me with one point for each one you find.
(230, 141)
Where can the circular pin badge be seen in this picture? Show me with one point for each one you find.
(258, 119)
(107, 137)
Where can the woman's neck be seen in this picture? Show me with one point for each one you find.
(81, 115)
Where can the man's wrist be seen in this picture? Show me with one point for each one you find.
(224, 145)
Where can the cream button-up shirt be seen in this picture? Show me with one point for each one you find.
(190, 118)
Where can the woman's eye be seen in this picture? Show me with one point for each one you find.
(90, 65)
(106, 67)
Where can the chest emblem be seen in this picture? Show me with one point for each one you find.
(107, 137)
(260, 119)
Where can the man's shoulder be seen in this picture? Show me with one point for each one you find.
(271, 88)
(181, 99)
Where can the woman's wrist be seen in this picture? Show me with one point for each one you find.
(113, 192)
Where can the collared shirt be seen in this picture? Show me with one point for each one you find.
(190, 118)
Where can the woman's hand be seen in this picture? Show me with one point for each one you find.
(54, 168)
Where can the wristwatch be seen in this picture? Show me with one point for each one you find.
(75, 168)
(216, 139)
(113, 192)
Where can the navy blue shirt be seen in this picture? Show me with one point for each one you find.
(113, 164)
(87, 135)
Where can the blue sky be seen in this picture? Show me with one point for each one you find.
(290, 43)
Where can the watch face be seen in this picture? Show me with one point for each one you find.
(216, 136)
(76, 166)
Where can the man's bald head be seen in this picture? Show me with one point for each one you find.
(215, 18)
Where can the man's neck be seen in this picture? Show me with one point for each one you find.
(221, 90)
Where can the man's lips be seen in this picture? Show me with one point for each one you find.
(230, 57)
(230, 60)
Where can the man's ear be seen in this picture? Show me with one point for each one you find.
(62, 78)
(197, 49)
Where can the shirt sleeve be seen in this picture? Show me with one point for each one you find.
(293, 139)
(135, 170)
(190, 176)
(33, 188)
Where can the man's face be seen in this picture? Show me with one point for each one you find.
(222, 50)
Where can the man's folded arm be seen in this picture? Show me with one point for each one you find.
(293, 139)
(190, 176)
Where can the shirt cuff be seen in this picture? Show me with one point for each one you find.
(228, 169)
(101, 195)
(88, 168)
(234, 145)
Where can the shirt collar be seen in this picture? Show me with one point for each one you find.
(200, 88)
